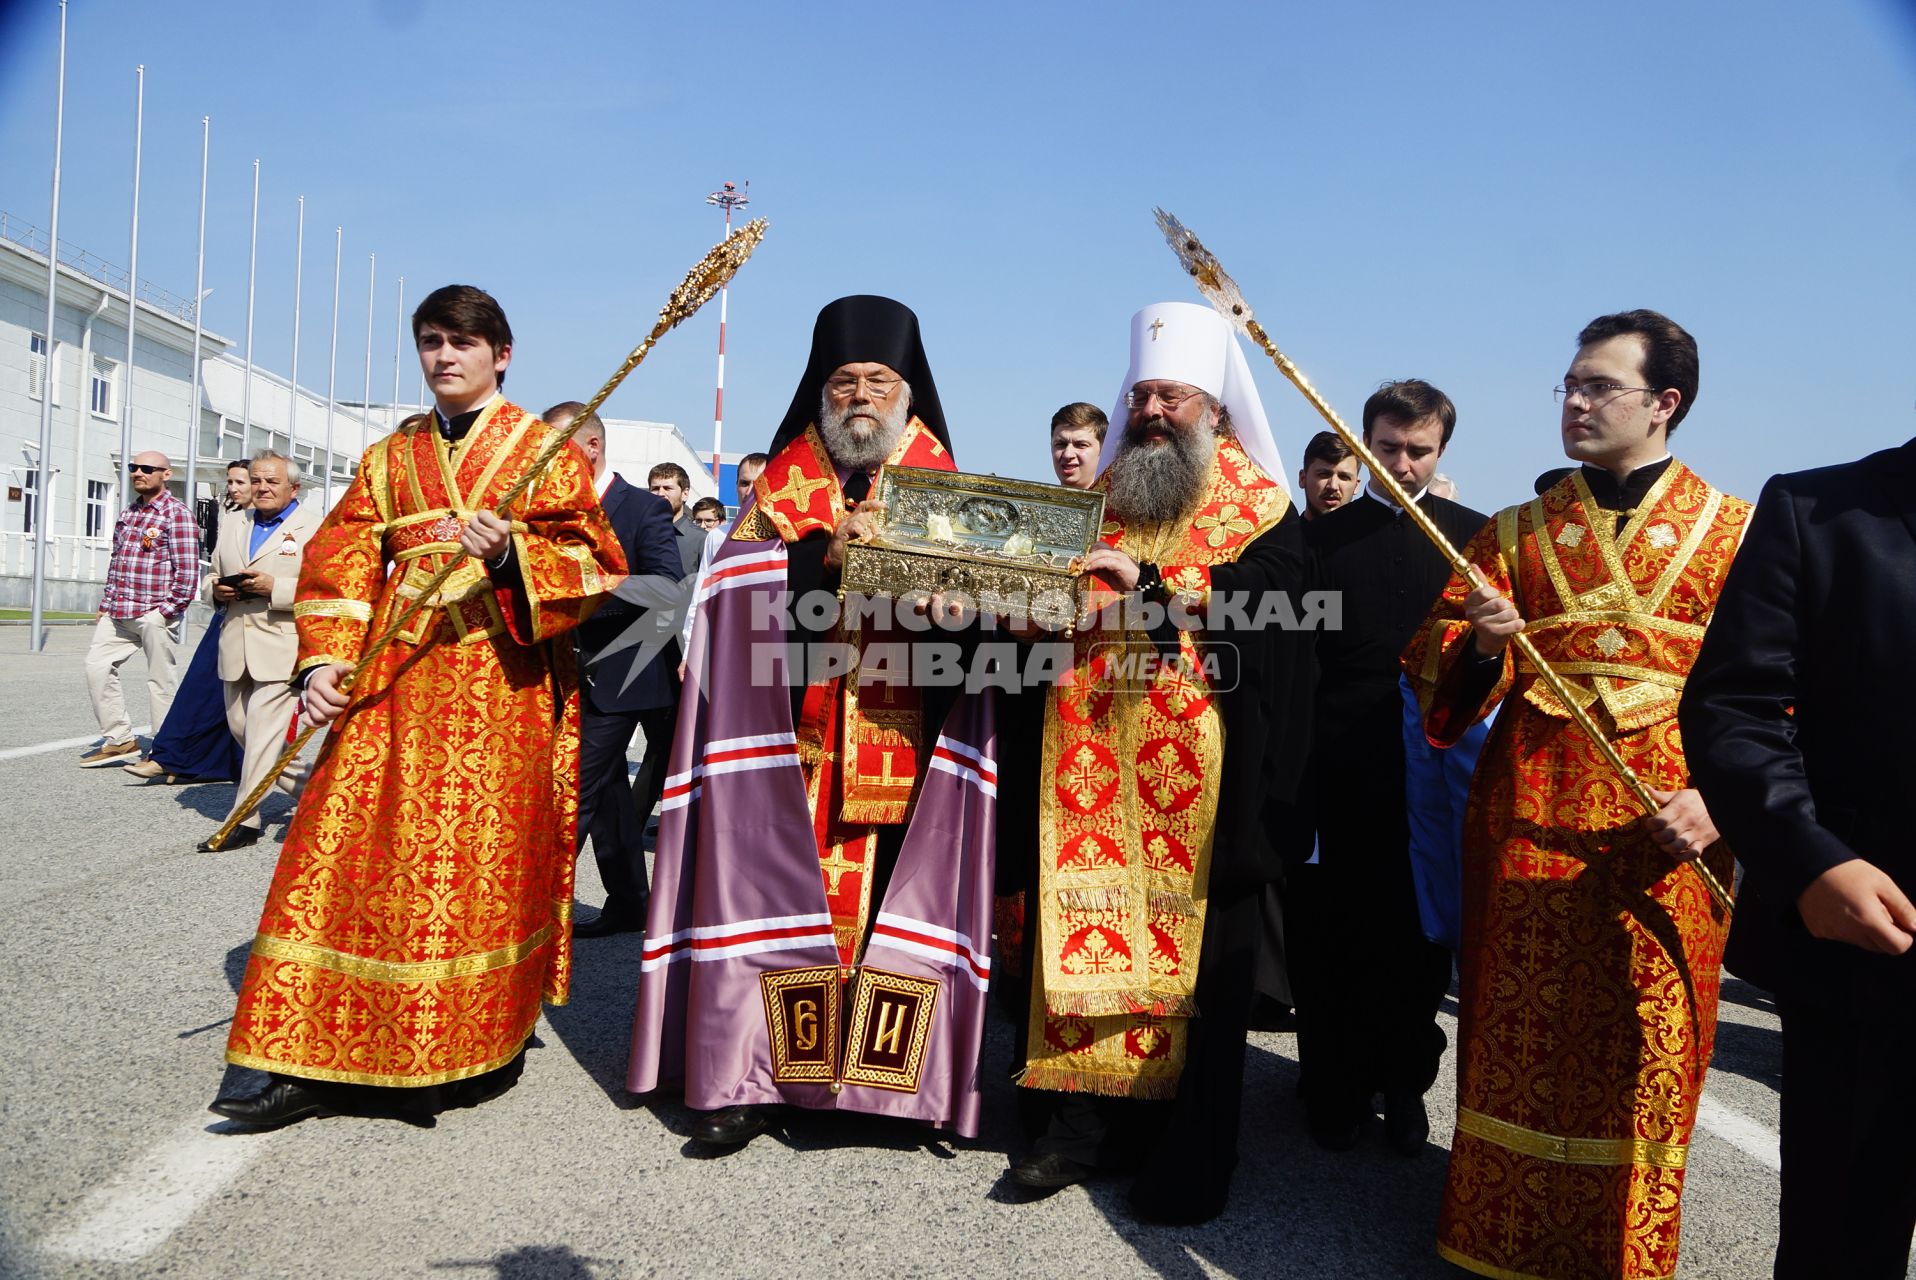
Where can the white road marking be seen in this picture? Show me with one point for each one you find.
(64, 744)
(1751, 1137)
(156, 1193)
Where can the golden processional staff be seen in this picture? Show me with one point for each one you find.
(701, 282)
(1222, 293)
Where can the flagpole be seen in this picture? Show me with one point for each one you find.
(299, 275)
(199, 328)
(252, 273)
(399, 333)
(132, 296)
(366, 396)
(332, 368)
(42, 508)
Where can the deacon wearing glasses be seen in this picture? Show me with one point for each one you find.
(1591, 944)
(151, 578)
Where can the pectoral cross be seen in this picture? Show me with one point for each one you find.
(1155, 326)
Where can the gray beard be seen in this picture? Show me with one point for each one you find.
(1146, 485)
(854, 442)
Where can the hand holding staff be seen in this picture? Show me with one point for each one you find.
(1222, 293)
(698, 287)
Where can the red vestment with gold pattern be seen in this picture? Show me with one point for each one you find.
(1591, 958)
(421, 905)
(1133, 765)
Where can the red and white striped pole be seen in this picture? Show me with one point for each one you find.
(729, 197)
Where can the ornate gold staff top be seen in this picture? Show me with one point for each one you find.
(700, 283)
(1222, 293)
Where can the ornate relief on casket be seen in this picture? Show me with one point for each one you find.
(1009, 545)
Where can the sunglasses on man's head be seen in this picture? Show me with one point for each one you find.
(141, 468)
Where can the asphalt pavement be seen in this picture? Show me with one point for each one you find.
(122, 948)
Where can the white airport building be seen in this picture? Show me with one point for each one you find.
(77, 490)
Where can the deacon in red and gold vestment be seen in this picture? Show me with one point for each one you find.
(420, 909)
(1143, 911)
(791, 805)
(1591, 948)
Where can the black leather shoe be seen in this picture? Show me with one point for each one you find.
(1048, 1171)
(735, 1126)
(241, 837)
(1334, 1133)
(607, 923)
(281, 1102)
(1406, 1123)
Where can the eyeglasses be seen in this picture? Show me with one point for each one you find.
(842, 387)
(1595, 391)
(142, 469)
(1138, 397)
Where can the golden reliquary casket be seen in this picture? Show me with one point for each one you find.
(1012, 546)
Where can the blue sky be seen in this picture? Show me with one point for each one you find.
(1444, 191)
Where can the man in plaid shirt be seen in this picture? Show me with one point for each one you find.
(152, 577)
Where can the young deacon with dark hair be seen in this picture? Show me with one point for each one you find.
(1591, 945)
(419, 911)
(1367, 995)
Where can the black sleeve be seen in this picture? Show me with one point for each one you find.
(1739, 738)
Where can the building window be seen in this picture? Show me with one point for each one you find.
(97, 493)
(37, 367)
(104, 396)
(31, 507)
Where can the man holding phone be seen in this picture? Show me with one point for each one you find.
(256, 563)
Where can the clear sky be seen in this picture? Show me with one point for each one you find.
(1443, 191)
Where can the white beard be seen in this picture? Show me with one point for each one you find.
(860, 436)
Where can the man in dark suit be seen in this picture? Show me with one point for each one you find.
(1797, 721)
(669, 481)
(616, 698)
(1368, 982)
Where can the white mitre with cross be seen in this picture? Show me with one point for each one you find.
(1185, 342)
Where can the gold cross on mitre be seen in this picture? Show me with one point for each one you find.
(1154, 326)
(798, 489)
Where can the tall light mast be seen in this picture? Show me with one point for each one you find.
(729, 197)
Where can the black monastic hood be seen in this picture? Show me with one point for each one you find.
(864, 327)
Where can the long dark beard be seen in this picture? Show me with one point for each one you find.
(862, 450)
(1149, 484)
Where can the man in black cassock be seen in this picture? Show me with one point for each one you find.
(1368, 982)
(1796, 723)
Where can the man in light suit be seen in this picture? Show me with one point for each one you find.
(1796, 722)
(255, 572)
(619, 694)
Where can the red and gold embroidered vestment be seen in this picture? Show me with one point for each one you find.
(1133, 766)
(422, 900)
(1590, 958)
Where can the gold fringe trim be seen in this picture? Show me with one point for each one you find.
(303, 1072)
(1063, 1080)
(1164, 902)
(401, 972)
(1108, 898)
(1121, 1004)
(1587, 1151)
